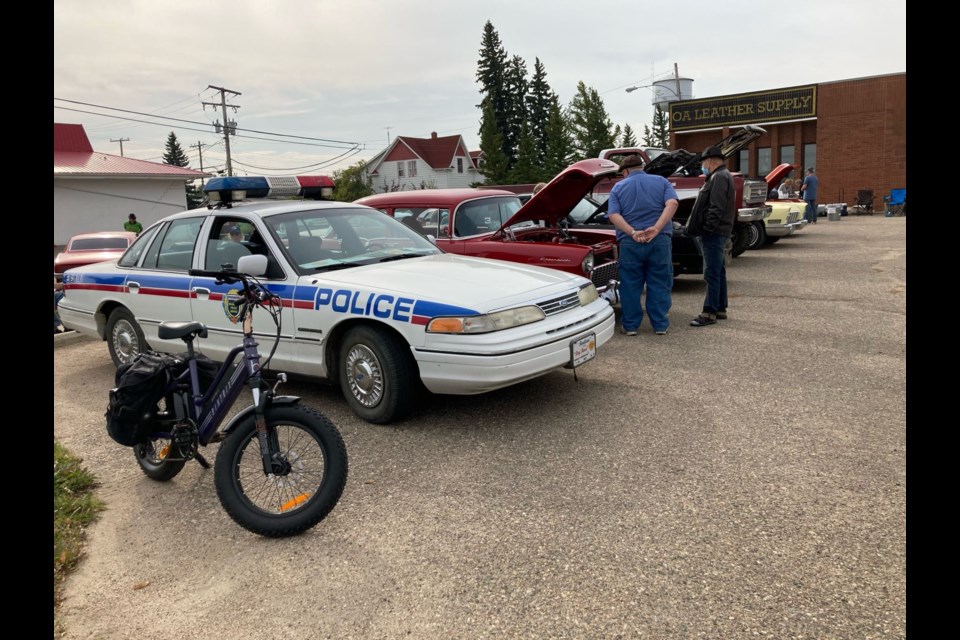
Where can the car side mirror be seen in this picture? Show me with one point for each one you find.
(254, 265)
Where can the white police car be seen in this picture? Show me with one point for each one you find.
(367, 301)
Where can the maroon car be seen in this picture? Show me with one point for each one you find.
(90, 248)
(492, 223)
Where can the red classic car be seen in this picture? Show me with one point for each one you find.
(492, 223)
(90, 248)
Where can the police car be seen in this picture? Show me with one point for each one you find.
(367, 302)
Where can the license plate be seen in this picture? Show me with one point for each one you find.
(583, 349)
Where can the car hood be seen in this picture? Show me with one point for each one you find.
(478, 284)
(561, 195)
(687, 163)
(775, 177)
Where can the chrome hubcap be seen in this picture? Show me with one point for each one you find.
(365, 375)
(125, 341)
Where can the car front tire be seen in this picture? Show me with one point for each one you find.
(378, 376)
(124, 337)
(757, 235)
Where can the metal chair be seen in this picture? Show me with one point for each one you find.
(896, 203)
(865, 200)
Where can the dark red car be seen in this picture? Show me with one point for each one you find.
(90, 248)
(492, 223)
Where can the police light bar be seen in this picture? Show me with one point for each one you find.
(234, 188)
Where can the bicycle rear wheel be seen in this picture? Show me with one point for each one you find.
(153, 457)
(302, 493)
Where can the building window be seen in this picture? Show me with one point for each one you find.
(744, 160)
(400, 169)
(412, 168)
(459, 165)
(786, 155)
(809, 156)
(763, 161)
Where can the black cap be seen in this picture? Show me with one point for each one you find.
(713, 151)
(132, 216)
(631, 161)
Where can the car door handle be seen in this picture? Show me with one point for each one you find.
(201, 293)
(133, 287)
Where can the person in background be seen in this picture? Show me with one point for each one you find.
(132, 225)
(236, 234)
(641, 207)
(712, 218)
(786, 188)
(809, 191)
(537, 187)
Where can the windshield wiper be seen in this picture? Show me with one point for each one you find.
(336, 267)
(402, 256)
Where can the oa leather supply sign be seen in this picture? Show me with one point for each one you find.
(745, 108)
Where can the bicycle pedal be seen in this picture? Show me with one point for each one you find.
(203, 461)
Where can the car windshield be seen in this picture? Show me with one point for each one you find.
(96, 244)
(584, 209)
(327, 239)
(485, 215)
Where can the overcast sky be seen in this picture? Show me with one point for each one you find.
(339, 72)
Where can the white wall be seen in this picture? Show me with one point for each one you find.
(433, 179)
(81, 205)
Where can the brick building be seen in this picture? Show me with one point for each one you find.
(853, 132)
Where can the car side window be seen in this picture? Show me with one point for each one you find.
(225, 246)
(174, 251)
(132, 255)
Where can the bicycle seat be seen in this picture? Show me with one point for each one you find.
(181, 329)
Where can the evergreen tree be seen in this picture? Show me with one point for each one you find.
(515, 93)
(491, 69)
(538, 111)
(525, 168)
(660, 135)
(495, 162)
(352, 183)
(629, 139)
(591, 126)
(559, 141)
(174, 155)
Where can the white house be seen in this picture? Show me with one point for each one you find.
(423, 163)
(95, 191)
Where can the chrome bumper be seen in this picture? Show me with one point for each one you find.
(753, 214)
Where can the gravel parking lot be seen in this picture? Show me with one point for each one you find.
(743, 480)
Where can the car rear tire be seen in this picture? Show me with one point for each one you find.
(757, 235)
(378, 375)
(124, 337)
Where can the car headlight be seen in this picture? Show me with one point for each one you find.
(587, 264)
(486, 323)
(588, 293)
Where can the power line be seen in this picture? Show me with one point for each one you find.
(318, 165)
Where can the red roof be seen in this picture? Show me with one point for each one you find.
(73, 155)
(438, 152)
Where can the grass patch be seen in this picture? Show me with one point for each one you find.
(74, 508)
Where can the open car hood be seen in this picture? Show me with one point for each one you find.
(562, 194)
(686, 163)
(775, 177)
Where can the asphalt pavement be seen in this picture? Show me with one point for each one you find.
(741, 480)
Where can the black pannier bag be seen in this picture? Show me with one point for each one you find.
(132, 411)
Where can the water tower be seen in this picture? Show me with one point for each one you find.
(665, 91)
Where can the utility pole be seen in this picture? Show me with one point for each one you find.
(388, 135)
(676, 76)
(199, 147)
(226, 125)
(121, 141)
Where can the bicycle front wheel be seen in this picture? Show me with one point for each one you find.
(308, 482)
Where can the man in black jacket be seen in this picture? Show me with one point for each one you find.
(712, 219)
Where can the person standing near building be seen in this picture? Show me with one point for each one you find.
(641, 207)
(712, 220)
(132, 225)
(809, 191)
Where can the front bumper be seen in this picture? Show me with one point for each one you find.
(467, 374)
(784, 230)
(754, 214)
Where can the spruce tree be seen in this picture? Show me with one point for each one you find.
(495, 163)
(559, 141)
(491, 69)
(660, 135)
(174, 155)
(525, 170)
(629, 139)
(592, 127)
(538, 111)
(515, 92)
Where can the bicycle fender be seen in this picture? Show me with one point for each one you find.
(249, 410)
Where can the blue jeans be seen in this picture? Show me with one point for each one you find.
(646, 264)
(714, 272)
(811, 212)
(57, 297)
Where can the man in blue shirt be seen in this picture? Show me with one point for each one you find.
(641, 207)
(809, 189)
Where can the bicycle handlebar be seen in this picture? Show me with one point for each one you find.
(224, 276)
